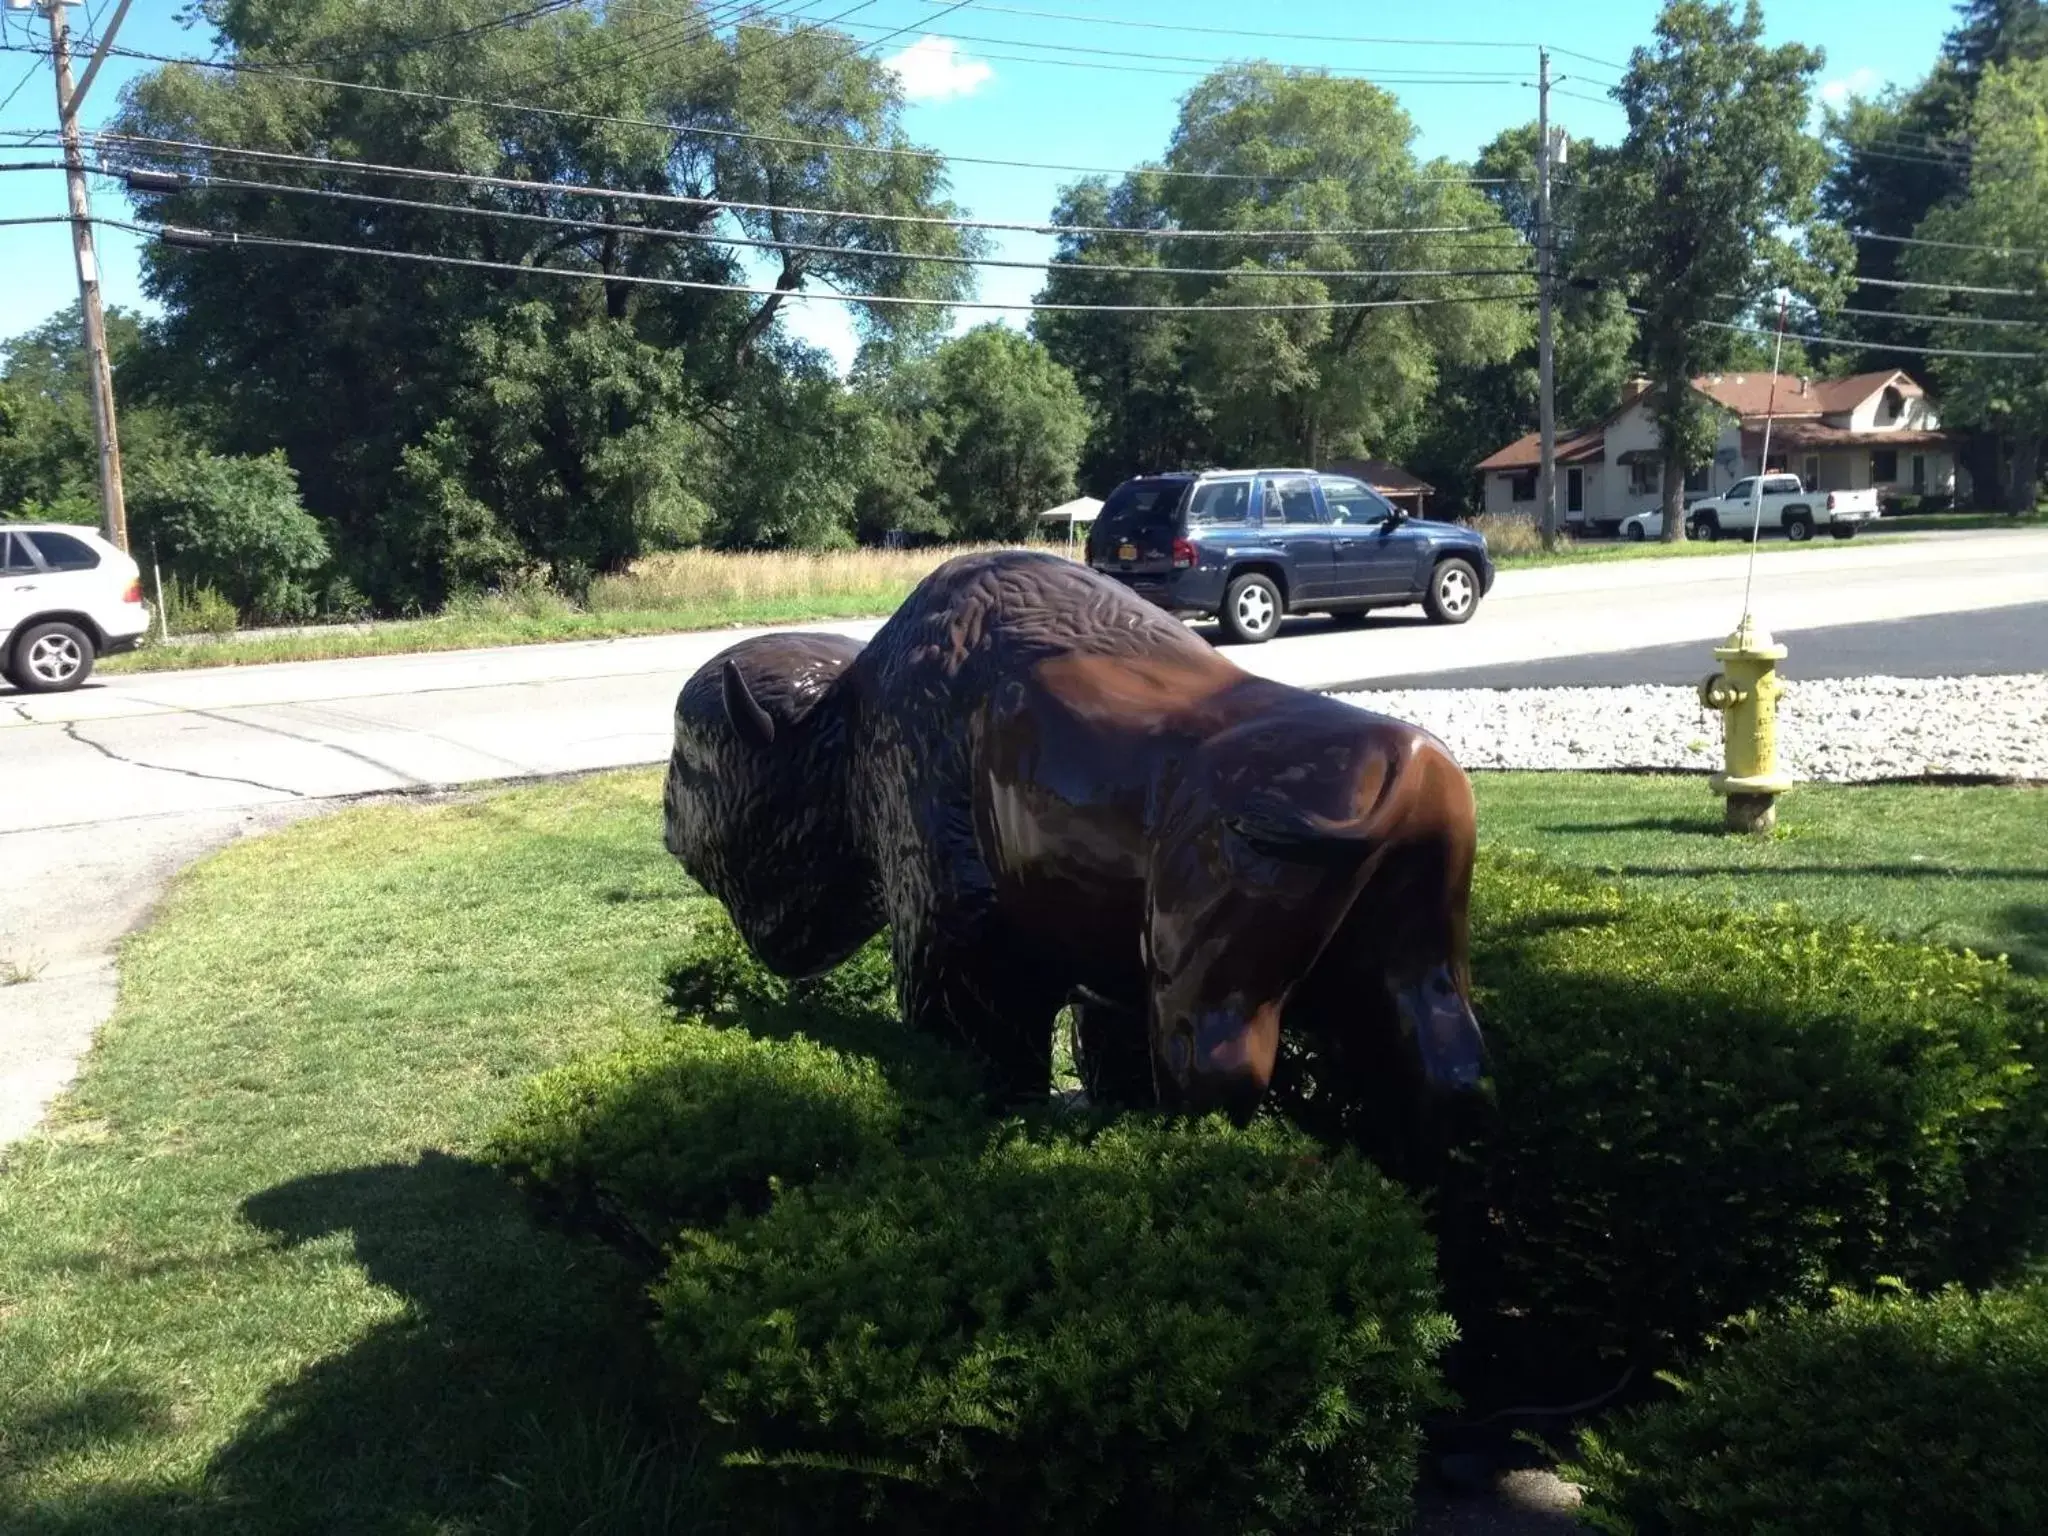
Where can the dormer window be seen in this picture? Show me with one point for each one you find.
(1892, 405)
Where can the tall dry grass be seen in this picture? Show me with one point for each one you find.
(1509, 534)
(707, 578)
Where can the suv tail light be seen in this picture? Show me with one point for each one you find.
(1831, 501)
(1183, 554)
(134, 592)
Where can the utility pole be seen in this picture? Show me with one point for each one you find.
(1546, 360)
(99, 368)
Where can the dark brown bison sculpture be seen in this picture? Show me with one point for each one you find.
(1052, 792)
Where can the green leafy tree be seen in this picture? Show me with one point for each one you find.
(357, 367)
(1991, 238)
(1708, 205)
(1007, 427)
(1273, 152)
(234, 525)
(570, 442)
(1478, 407)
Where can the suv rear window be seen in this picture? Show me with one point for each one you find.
(1221, 501)
(11, 558)
(1140, 506)
(61, 552)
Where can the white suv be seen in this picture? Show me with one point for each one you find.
(67, 597)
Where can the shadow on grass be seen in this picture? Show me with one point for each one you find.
(512, 1393)
(1687, 826)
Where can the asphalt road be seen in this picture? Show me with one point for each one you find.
(1992, 642)
(106, 791)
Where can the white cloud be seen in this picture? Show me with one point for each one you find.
(934, 69)
(1836, 92)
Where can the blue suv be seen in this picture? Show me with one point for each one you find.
(1250, 546)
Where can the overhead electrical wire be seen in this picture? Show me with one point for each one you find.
(1292, 37)
(1921, 317)
(448, 98)
(218, 240)
(622, 194)
(1948, 245)
(1863, 342)
(139, 182)
(1996, 293)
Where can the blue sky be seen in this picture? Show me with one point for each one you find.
(977, 88)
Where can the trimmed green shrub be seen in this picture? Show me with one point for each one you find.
(1702, 1112)
(762, 1083)
(1153, 1328)
(1901, 1417)
(686, 1126)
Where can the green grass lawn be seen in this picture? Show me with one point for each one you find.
(1960, 866)
(251, 1278)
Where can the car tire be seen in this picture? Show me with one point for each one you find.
(1842, 530)
(1453, 593)
(1798, 526)
(52, 658)
(1635, 532)
(1252, 609)
(1706, 528)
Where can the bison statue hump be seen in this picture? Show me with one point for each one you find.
(1051, 792)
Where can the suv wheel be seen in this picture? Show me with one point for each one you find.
(1453, 595)
(52, 658)
(1842, 530)
(1252, 609)
(1798, 526)
(1706, 528)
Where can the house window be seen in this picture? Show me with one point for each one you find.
(1809, 471)
(1643, 477)
(1884, 466)
(1892, 405)
(1522, 487)
(1700, 479)
(1920, 474)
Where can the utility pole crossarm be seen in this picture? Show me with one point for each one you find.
(99, 57)
(1546, 361)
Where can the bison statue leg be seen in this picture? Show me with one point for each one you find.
(975, 986)
(1113, 1054)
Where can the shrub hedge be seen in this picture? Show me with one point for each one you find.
(1152, 1328)
(1896, 1417)
(763, 1082)
(1702, 1112)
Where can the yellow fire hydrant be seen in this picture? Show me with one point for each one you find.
(1746, 691)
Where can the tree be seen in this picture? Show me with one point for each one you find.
(234, 525)
(1007, 427)
(365, 372)
(49, 454)
(1477, 407)
(1229, 376)
(1708, 205)
(1992, 237)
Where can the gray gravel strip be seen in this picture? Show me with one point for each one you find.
(1848, 731)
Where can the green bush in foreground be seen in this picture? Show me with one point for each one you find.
(686, 1126)
(1702, 1112)
(1157, 1329)
(1901, 1417)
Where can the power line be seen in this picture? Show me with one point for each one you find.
(1424, 77)
(45, 218)
(446, 98)
(700, 237)
(1948, 245)
(1292, 37)
(1996, 293)
(1864, 343)
(515, 184)
(1920, 317)
(220, 240)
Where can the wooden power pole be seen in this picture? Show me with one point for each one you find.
(1546, 359)
(99, 367)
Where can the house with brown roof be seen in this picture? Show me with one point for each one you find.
(1405, 489)
(1876, 429)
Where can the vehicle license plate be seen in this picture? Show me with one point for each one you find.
(1127, 551)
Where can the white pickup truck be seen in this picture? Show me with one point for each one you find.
(1785, 504)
